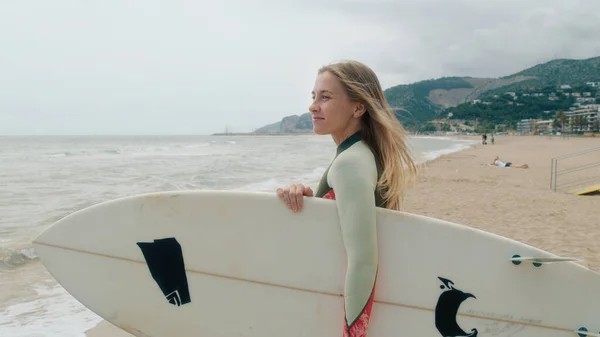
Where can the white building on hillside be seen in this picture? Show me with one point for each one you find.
(525, 125)
(535, 126)
(544, 126)
(586, 118)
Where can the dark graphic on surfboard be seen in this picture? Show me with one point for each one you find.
(165, 262)
(447, 308)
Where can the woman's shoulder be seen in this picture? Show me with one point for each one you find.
(358, 158)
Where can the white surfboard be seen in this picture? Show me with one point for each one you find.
(225, 264)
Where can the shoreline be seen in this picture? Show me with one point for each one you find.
(461, 187)
(310, 132)
(410, 134)
(264, 133)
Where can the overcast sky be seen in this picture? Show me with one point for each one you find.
(195, 67)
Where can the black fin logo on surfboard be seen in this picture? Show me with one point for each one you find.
(165, 262)
(447, 308)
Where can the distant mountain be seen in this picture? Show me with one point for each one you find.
(423, 101)
(274, 127)
(289, 124)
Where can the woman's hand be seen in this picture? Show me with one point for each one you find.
(294, 195)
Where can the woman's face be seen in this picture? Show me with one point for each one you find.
(331, 109)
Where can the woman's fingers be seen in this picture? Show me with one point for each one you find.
(301, 192)
(294, 196)
(308, 192)
(284, 195)
(299, 197)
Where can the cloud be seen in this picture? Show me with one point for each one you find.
(195, 67)
(476, 38)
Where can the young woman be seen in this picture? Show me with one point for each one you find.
(371, 168)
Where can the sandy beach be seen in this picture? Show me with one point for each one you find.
(517, 203)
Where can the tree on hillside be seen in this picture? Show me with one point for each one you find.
(563, 119)
(556, 124)
(596, 126)
(580, 123)
(559, 121)
(428, 127)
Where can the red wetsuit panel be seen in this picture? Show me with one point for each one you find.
(329, 195)
(360, 326)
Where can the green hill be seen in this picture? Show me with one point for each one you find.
(565, 71)
(411, 102)
(553, 74)
(507, 110)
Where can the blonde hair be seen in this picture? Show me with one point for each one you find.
(380, 129)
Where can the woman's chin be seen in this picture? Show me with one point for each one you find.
(320, 131)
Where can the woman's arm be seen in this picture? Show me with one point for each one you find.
(353, 177)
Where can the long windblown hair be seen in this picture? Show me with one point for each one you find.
(380, 129)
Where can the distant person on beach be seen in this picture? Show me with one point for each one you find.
(499, 163)
(492, 139)
(371, 168)
(484, 139)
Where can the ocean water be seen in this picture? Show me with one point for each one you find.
(43, 179)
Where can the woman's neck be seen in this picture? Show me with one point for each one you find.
(341, 137)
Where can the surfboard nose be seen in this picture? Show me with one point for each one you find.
(44, 236)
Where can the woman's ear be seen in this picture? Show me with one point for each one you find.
(359, 110)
